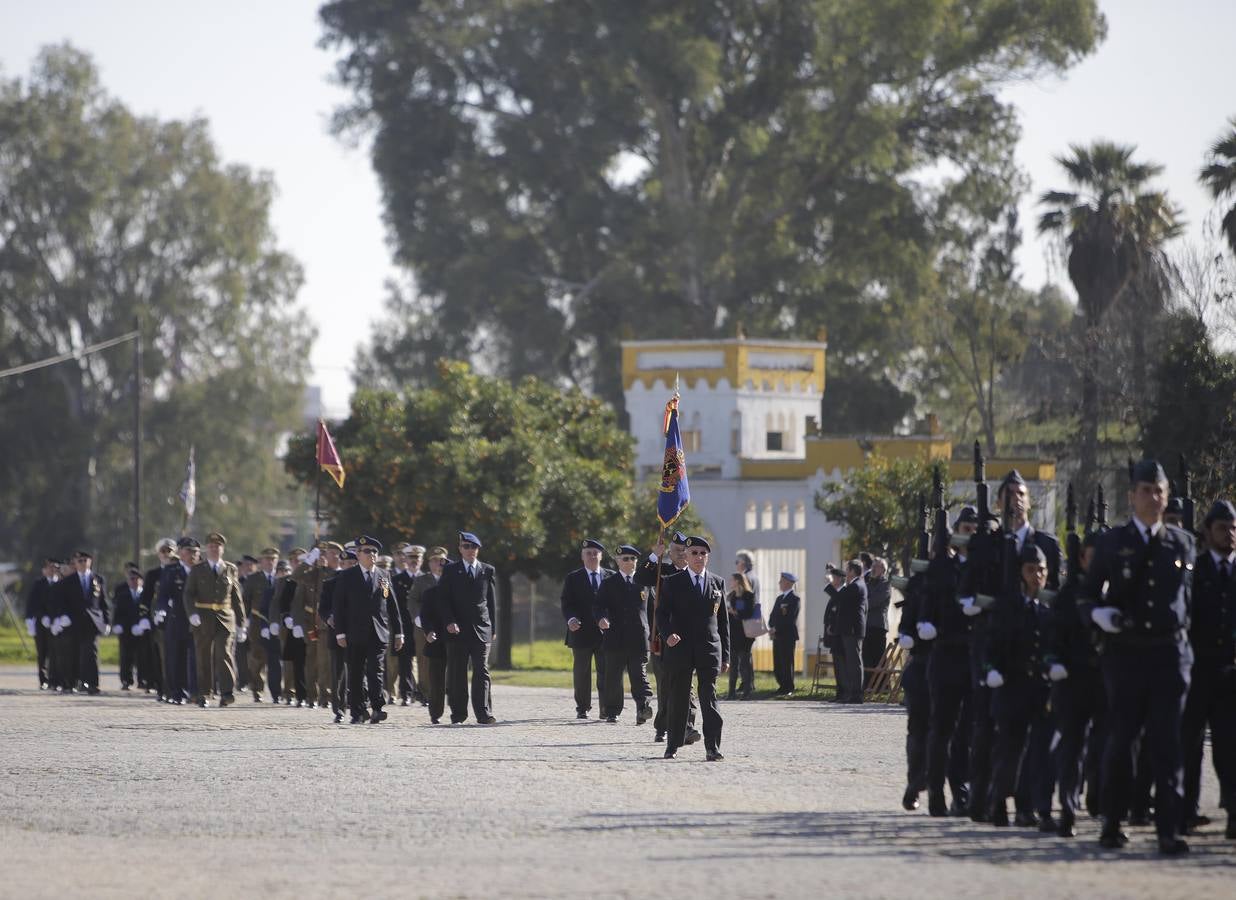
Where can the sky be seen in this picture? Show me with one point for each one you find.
(1162, 81)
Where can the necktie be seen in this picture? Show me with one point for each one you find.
(629, 581)
(85, 585)
(595, 581)
(369, 580)
(1223, 569)
(699, 584)
(270, 580)
(471, 571)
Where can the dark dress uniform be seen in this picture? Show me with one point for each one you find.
(783, 619)
(625, 644)
(579, 594)
(150, 643)
(265, 663)
(366, 614)
(1145, 666)
(647, 575)
(949, 686)
(338, 656)
(851, 603)
(468, 600)
(430, 610)
(875, 637)
(125, 615)
(401, 583)
(695, 612)
(181, 680)
(1017, 648)
(917, 696)
(86, 605)
(1212, 691)
(36, 614)
(741, 607)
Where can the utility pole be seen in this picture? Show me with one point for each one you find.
(137, 443)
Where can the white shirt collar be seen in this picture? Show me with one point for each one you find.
(1229, 559)
(1147, 531)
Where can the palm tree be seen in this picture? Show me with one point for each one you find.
(1219, 174)
(1112, 227)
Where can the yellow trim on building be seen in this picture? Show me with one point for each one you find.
(844, 454)
(738, 367)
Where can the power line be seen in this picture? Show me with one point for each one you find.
(72, 354)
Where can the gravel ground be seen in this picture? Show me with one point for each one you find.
(117, 796)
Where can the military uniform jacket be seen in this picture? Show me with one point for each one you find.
(326, 600)
(699, 619)
(416, 598)
(578, 600)
(469, 602)
(1018, 645)
(626, 607)
(985, 572)
(851, 603)
(210, 593)
(1149, 582)
(911, 614)
(125, 607)
(1072, 641)
(401, 583)
(940, 606)
(258, 591)
(1212, 631)
(36, 600)
(366, 612)
(87, 609)
(149, 600)
(784, 616)
(306, 595)
(171, 599)
(879, 595)
(430, 610)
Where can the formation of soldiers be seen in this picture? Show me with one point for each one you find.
(345, 628)
(1093, 674)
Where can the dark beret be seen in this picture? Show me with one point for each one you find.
(590, 544)
(1147, 470)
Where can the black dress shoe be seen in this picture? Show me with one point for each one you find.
(613, 720)
(433, 721)
(693, 736)
(959, 808)
(936, 806)
(403, 701)
(257, 698)
(379, 715)
(713, 756)
(581, 715)
(978, 814)
(909, 800)
(660, 737)
(357, 720)
(999, 816)
(338, 717)
(671, 754)
(203, 702)
(1173, 846)
(1048, 825)
(1025, 819)
(1112, 837)
(1139, 819)
(125, 687)
(93, 692)
(1065, 828)
(488, 720)
(226, 700)
(642, 715)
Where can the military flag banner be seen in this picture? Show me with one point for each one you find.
(675, 493)
(328, 456)
(188, 490)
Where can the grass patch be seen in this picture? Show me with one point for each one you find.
(13, 652)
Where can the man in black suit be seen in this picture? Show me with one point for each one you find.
(694, 628)
(879, 594)
(86, 607)
(579, 596)
(468, 603)
(851, 603)
(126, 600)
(366, 619)
(38, 619)
(63, 640)
(783, 629)
(659, 565)
(338, 561)
(425, 601)
(621, 612)
(408, 558)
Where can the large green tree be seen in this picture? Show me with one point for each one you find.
(531, 469)
(583, 169)
(1219, 177)
(1112, 225)
(110, 220)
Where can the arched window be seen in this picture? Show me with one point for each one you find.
(783, 517)
(753, 516)
(767, 518)
(800, 516)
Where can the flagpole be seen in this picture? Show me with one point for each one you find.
(317, 500)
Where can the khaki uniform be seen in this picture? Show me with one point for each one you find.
(319, 678)
(215, 596)
(254, 587)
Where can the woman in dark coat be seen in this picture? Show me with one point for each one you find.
(741, 605)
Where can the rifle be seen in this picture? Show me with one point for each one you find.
(980, 485)
(1102, 504)
(1072, 543)
(919, 562)
(1186, 499)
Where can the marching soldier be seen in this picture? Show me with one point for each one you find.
(125, 615)
(246, 566)
(258, 591)
(181, 680)
(425, 598)
(38, 619)
(652, 569)
(318, 566)
(86, 607)
(216, 613)
(694, 630)
(281, 627)
(579, 594)
(408, 558)
(467, 599)
(150, 646)
(1138, 593)
(337, 560)
(366, 619)
(621, 614)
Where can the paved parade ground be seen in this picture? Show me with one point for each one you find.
(119, 796)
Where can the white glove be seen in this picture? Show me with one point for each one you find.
(136, 630)
(274, 629)
(195, 620)
(160, 615)
(417, 622)
(65, 621)
(56, 629)
(117, 629)
(968, 607)
(46, 621)
(994, 679)
(1057, 672)
(30, 629)
(926, 631)
(905, 642)
(144, 625)
(1105, 618)
(311, 557)
(287, 621)
(298, 632)
(242, 635)
(265, 632)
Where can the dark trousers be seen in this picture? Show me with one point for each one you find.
(982, 724)
(1212, 700)
(274, 666)
(948, 736)
(150, 660)
(1021, 766)
(918, 721)
(242, 665)
(663, 678)
(851, 662)
(128, 659)
(406, 657)
(295, 652)
(1080, 710)
(742, 671)
(635, 665)
(1146, 688)
(65, 647)
(88, 659)
(181, 681)
(42, 649)
(460, 652)
(582, 676)
(366, 665)
(680, 706)
(874, 645)
(783, 663)
(435, 688)
(339, 670)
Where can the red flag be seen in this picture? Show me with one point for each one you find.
(328, 456)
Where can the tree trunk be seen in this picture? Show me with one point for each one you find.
(502, 658)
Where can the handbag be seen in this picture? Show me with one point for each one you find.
(754, 627)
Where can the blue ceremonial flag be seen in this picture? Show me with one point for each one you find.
(675, 493)
(188, 490)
